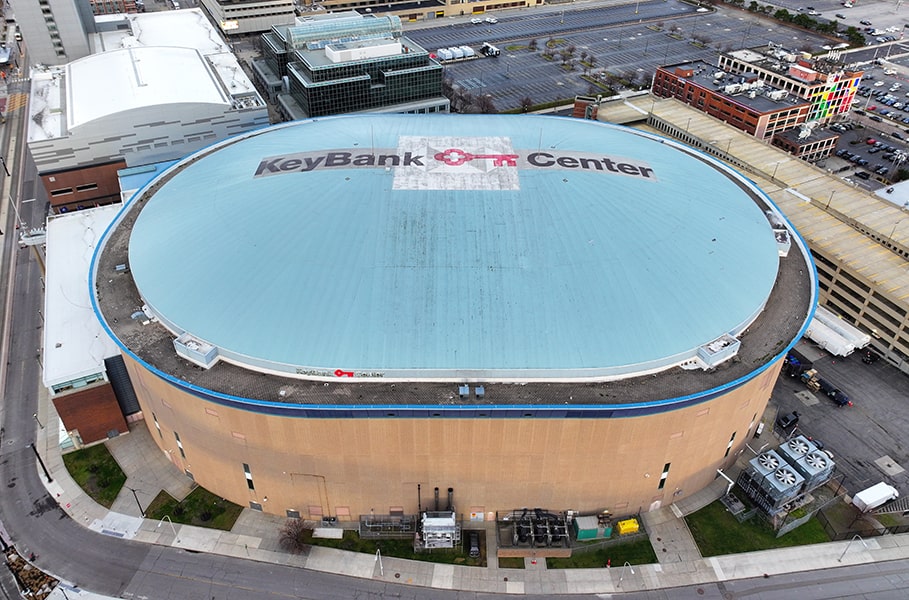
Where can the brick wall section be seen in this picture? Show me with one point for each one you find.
(92, 410)
(85, 187)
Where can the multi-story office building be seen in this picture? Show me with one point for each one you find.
(347, 63)
(56, 30)
(420, 11)
(826, 83)
(112, 7)
(744, 101)
(249, 16)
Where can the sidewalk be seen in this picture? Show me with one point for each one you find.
(255, 536)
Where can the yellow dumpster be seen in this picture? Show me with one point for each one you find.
(627, 526)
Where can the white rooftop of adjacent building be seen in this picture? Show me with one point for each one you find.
(161, 58)
(118, 81)
(185, 28)
(75, 343)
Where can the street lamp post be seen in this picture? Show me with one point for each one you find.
(172, 528)
(37, 421)
(829, 199)
(892, 231)
(379, 560)
(136, 496)
(627, 565)
(41, 462)
(5, 168)
(855, 537)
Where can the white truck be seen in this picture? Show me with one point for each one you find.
(878, 494)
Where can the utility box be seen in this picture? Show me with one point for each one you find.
(586, 528)
(627, 526)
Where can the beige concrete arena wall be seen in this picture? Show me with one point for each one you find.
(348, 467)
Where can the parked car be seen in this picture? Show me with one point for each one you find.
(788, 420)
(474, 551)
(492, 20)
(476, 21)
(865, 22)
(876, 118)
(840, 16)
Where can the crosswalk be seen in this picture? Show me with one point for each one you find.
(13, 102)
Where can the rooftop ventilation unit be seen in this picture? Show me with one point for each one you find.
(766, 463)
(783, 484)
(719, 350)
(196, 351)
(816, 467)
(796, 448)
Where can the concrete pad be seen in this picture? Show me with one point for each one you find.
(196, 538)
(807, 398)
(889, 466)
(352, 564)
(443, 576)
(117, 525)
(514, 587)
(328, 533)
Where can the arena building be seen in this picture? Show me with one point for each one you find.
(319, 317)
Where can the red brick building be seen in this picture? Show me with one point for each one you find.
(744, 101)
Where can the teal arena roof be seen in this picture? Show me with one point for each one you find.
(450, 248)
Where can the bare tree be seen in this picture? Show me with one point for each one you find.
(485, 104)
(526, 104)
(532, 44)
(295, 535)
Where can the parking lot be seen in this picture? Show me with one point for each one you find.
(868, 440)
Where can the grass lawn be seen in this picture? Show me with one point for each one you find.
(717, 532)
(96, 472)
(200, 508)
(400, 549)
(511, 562)
(638, 552)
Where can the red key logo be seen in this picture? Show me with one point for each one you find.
(455, 157)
